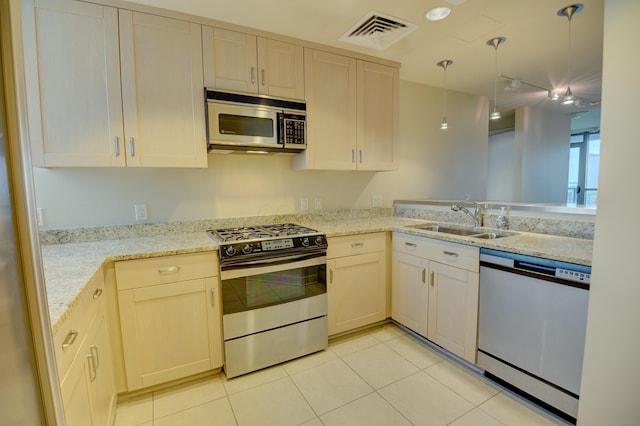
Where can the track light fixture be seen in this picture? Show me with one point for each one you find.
(444, 64)
(569, 11)
(495, 42)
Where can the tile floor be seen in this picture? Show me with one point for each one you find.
(380, 377)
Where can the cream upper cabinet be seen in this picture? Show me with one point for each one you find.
(357, 284)
(435, 291)
(242, 62)
(109, 87)
(170, 317)
(352, 114)
(72, 67)
(162, 91)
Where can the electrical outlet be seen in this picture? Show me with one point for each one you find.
(141, 212)
(376, 200)
(317, 203)
(304, 204)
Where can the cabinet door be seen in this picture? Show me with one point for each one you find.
(356, 291)
(409, 292)
(162, 91)
(378, 101)
(330, 87)
(281, 68)
(168, 331)
(75, 394)
(72, 69)
(453, 309)
(230, 61)
(100, 373)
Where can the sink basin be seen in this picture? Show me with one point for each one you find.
(466, 232)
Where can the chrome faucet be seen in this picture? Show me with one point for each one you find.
(476, 215)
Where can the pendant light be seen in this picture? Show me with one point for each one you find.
(444, 64)
(495, 42)
(569, 11)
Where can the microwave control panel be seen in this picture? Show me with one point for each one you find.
(295, 131)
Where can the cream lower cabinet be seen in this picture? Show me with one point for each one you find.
(357, 283)
(109, 87)
(170, 317)
(84, 359)
(352, 114)
(435, 291)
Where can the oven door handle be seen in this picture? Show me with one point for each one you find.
(265, 266)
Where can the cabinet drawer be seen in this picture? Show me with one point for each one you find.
(165, 269)
(68, 337)
(356, 244)
(445, 252)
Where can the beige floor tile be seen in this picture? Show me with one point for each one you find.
(257, 378)
(134, 411)
(387, 332)
(309, 361)
(187, 396)
(347, 345)
(417, 352)
(379, 365)
(513, 411)
(476, 417)
(276, 403)
(424, 400)
(330, 385)
(370, 410)
(213, 413)
(471, 386)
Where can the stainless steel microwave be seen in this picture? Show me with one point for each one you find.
(245, 123)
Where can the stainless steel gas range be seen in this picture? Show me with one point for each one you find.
(274, 294)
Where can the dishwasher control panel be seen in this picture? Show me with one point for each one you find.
(567, 274)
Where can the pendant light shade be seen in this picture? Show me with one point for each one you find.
(444, 64)
(495, 42)
(569, 11)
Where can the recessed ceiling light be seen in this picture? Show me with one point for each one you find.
(437, 13)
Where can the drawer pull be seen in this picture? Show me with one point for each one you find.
(450, 253)
(169, 270)
(70, 339)
(94, 353)
(433, 276)
(356, 245)
(330, 276)
(93, 369)
(410, 244)
(424, 273)
(97, 293)
(213, 297)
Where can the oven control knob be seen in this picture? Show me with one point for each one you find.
(246, 249)
(230, 251)
(319, 240)
(305, 241)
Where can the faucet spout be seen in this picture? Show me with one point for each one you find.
(476, 215)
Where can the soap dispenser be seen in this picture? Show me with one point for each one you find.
(503, 219)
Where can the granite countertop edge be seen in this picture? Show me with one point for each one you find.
(69, 267)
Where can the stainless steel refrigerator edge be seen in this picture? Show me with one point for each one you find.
(29, 390)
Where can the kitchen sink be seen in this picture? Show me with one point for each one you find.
(466, 232)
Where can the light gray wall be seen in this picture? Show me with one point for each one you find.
(610, 381)
(433, 163)
(504, 181)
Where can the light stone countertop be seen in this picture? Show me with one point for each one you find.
(69, 267)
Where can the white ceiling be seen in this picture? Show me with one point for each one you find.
(536, 49)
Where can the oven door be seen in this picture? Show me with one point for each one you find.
(240, 125)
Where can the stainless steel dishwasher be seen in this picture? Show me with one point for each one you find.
(531, 326)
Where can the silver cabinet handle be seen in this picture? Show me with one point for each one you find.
(213, 297)
(262, 73)
(450, 253)
(116, 142)
(433, 276)
(353, 155)
(70, 339)
(97, 293)
(424, 273)
(354, 245)
(94, 353)
(169, 269)
(410, 244)
(93, 370)
(253, 75)
(331, 276)
(360, 151)
(132, 146)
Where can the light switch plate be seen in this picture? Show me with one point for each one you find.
(141, 212)
(376, 200)
(304, 204)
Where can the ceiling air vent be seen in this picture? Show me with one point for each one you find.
(377, 31)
